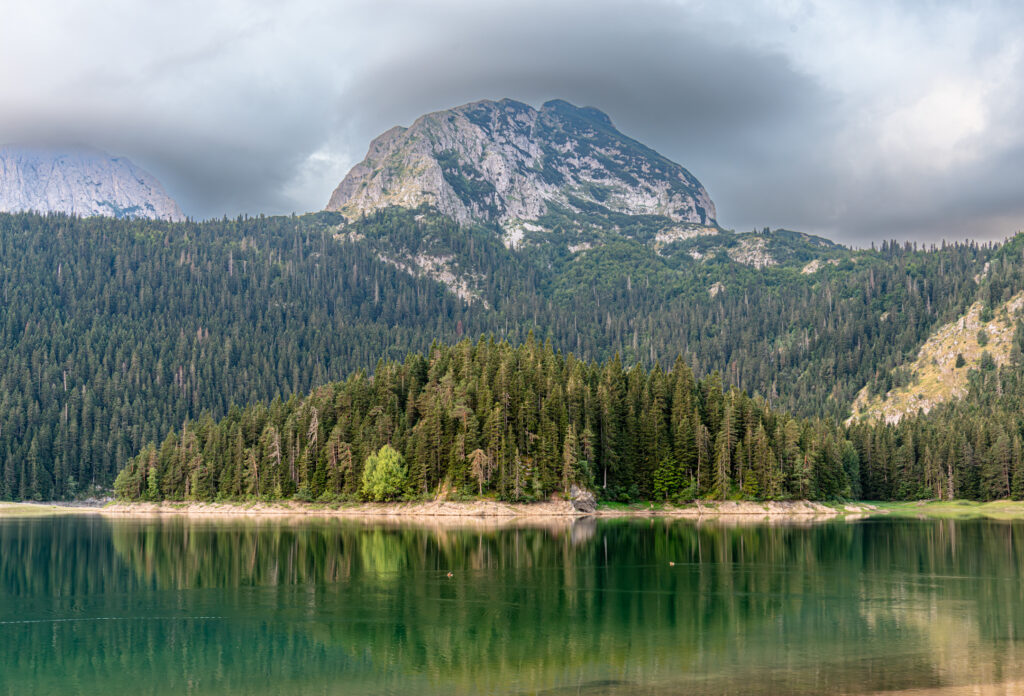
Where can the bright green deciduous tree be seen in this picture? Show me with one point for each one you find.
(385, 475)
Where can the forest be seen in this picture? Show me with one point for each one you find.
(520, 423)
(525, 423)
(964, 449)
(114, 333)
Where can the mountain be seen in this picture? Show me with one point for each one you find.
(114, 332)
(527, 170)
(80, 182)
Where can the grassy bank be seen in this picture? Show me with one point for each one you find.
(37, 509)
(954, 509)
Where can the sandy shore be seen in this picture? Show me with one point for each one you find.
(442, 516)
(469, 509)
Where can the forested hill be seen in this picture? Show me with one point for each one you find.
(521, 423)
(967, 448)
(524, 423)
(113, 332)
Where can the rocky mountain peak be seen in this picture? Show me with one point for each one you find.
(509, 163)
(80, 182)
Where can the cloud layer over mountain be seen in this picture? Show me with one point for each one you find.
(858, 120)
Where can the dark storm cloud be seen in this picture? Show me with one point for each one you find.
(861, 121)
(647, 65)
(728, 112)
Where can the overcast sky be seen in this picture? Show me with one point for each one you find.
(860, 121)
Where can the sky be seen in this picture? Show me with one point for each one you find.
(859, 121)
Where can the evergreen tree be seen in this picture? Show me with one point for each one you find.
(570, 458)
(723, 466)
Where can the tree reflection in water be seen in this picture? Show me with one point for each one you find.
(336, 606)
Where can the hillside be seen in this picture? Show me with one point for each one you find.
(969, 447)
(980, 338)
(80, 182)
(115, 331)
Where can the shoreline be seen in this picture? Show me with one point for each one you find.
(496, 512)
(448, 510)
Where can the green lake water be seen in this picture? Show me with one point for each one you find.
(176, 606)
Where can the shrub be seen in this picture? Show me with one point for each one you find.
(987, 362)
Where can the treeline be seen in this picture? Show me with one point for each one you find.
(521, 423)
(524, 423)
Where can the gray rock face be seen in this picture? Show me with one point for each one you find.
(80, 182)
(582, 499)
(509, 163)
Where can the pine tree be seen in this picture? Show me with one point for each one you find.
(570, 458)
(998, 468)
(1017, 483)
(723, 466)
(705, 458)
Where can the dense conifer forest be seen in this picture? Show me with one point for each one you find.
(520, 423)
(114, 332)
(525, 423)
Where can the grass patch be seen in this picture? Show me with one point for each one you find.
(953, 509)
(34, 510)
(613, 506)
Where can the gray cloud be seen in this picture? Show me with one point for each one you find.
(860, 121)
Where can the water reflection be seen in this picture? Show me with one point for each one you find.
(644, 606)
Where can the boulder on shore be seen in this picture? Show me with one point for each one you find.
(582, 499)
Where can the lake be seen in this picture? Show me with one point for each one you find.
(92, 604)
